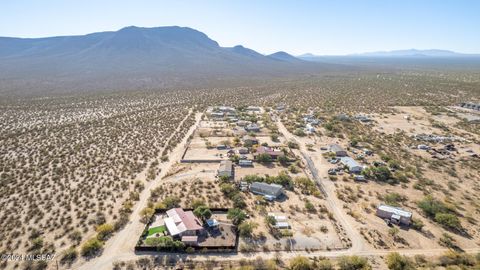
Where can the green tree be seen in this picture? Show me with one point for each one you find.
(104, 231)
(353, 263)
(354, 142)
(448, 220)
(196, 203)
(309, 206)
(324, 264)
(246, 228)
(264, 158)
(292, 145)
(238, 201)
(236, 215)
(228, 189)
(283, 160)
(91, 247)
(146, 214)
(395, 261)
(432, 206)
(69, 255)
(270, 220)
(381, 173)
(171, 202)
(203, 212)
(300, 263)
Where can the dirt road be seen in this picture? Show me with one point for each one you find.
(124, 241)
(333, 204)
(121, 246)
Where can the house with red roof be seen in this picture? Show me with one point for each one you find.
(183, 224)
(274, 154)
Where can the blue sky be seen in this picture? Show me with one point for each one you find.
(295, 26)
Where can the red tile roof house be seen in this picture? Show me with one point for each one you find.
(268, 150)
(184, 225)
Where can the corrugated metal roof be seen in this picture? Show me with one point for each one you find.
(264, 188)
(349, 162)
(225, 166)
(336, 148)
(171, 226)
(189, 238)
(395, 210)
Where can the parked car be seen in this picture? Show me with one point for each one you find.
(334, 160)
(360, 178)
(332, 171)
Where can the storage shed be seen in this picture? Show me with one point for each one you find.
(338, 150)
(225, 169)
(272, 190)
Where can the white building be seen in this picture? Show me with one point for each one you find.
(394, 214)
(351, 164)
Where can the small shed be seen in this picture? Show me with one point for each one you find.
(190, 240)
(225, 169)
(338, 150)
(245, 163)
(212, 223)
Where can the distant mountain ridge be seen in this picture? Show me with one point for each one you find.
(136, 57)
(414, 52)
(395, 53)
(283, 56)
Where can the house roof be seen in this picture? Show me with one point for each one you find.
(183, 220)
(189, 238)
(349, 162)
(268, 150)
(172, 226)
(282, 225)
(247, 161)
(336, 148)
(225, 166)
(264, 188)
(395, 210)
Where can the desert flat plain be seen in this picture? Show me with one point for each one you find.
(235, 160)
(81, 168)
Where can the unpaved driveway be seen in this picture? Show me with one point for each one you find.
(333, 203)
(124, 241)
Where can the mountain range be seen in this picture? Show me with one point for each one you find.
(136, 58)
(412, 53)
(162, 57)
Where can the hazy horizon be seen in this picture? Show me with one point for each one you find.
(340, 28)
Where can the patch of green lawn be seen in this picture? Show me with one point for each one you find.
(154, 230)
